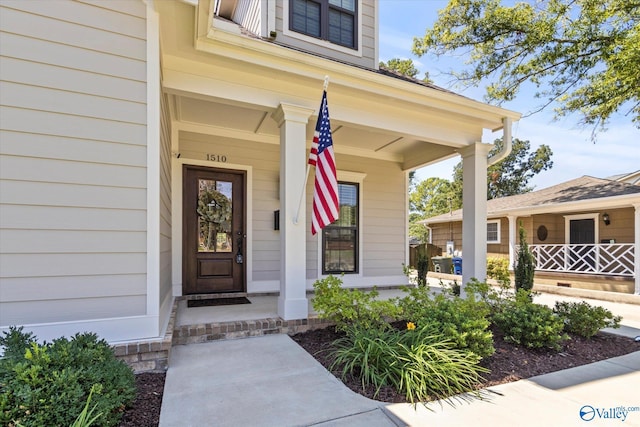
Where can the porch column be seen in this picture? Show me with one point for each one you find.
(636, 253)
(512, 240)
(474, 212)
(292, 121)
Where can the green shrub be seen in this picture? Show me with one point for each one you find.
(419, 363)
(345, 307)
(49, 384)
(463, 320)
(525, 264)
(585, 320)
(531, 325)
(498, 269)
(497, 298)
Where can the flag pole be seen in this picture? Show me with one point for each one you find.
(306, 177)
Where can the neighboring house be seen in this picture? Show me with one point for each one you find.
(158, 149)
(583, 233)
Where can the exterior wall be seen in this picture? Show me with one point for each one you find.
(555, 229)
(382, 222)
(443, 232)
(621, 228)
(367, 25)
(383, 210)
(73, 161)
(165, 291)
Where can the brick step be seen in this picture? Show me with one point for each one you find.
(193, 334)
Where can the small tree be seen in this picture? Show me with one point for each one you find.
(525, 264)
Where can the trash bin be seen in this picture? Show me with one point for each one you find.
(441, 264)
(457, 265)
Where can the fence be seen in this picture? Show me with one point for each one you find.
(613, 259)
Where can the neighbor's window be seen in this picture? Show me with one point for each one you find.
(493, 231)
(332, 20)
(340, 239)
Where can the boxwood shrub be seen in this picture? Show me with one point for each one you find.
(49, 384)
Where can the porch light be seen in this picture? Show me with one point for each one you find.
(606, 219)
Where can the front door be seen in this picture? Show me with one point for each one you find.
(213, 252)
(582, 233)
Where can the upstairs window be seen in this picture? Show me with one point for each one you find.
(332, 20)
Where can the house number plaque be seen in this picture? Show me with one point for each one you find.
(220, 158)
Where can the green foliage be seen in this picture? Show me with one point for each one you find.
(406, 67)
(497, 298)
(432, 197)
(86, 417)
(581, 54)
(525, 264)
(345, 307)
(498, 269)
(585, 320)
(422, 267)
(463, 320)
(419, 363)
(511, 175)
(531, 325)
(48, 384)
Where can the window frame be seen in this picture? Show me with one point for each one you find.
(323, 41)
(356, 228)
(498, 223)
(356, 178)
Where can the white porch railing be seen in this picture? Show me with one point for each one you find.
(615, 259)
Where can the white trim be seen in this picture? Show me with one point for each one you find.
(113, 330)
(499, 223)
(596, 226)
(319, 42)
(153, 163)
(176, 213)
(356, 178)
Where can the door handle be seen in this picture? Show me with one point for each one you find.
(239, 256)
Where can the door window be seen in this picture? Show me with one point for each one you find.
(215, 216)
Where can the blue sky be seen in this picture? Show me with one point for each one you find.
(616, 150)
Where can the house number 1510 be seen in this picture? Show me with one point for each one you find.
(217, 158)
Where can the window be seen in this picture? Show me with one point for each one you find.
(493, 231)
(340, 239)
(332, 20)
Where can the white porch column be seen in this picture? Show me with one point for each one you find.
(636, 253)
(512, 240)
(474, 212)
(292, 121)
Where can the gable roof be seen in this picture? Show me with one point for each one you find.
(576, 194)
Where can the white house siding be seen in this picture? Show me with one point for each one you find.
(365, 58)
(165, 210)
(247, 14)
(73, 161)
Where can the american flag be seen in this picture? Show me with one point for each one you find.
(325, 192)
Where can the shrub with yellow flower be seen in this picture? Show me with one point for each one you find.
(411, 326)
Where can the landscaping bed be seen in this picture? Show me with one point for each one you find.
(509, 363)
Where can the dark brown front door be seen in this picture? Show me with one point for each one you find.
(213, 246)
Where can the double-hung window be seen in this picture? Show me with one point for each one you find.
(493, 231)
(340, 239)
(332, 20)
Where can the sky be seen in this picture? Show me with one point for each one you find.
(616, 151)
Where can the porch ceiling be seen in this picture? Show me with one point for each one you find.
(251, 122)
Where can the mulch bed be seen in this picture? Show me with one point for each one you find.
(509, 363)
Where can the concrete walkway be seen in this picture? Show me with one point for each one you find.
(271, 381)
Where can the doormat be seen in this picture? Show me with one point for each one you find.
(217, 301)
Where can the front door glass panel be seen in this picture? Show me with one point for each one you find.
(215, 205)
